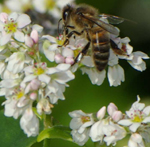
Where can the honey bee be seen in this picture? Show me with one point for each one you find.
(83, 20)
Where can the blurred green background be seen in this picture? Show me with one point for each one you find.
(90, 98)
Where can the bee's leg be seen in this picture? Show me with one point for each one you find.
(82, 53)
(66, 42)
(84, 50)
(71, 27)
(117, 50)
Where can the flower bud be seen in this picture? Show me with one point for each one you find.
(33, 96)
(111, 108)
(35, 84)
(117, 115)
(101, 113)
(28, 41)
(34, 36)
(59, 58)
(69, 60)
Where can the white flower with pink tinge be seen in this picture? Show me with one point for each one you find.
(11, 25)
(113, 133)
(114, 113)
(136, 141)
(29, 123)
(137, 115)
(80, 124)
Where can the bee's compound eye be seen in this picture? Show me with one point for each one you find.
(65, 14)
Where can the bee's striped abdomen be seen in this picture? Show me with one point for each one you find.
(101, 46)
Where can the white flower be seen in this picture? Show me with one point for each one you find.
(80, 120)
(11, 109)
(50, 47)
(8, 85)
(59, 76)
(55, 91)
(16, 62)
(7, 75)
(43, 106)
(113, 59)
(115, 75)
(18, 5)
(136, 141)
(95, 76)
(79, 125)
(137, 115)
(29, 123)
(113, 133)
(10, 25)
(17, 101)
(39, 70)
(123, 44)
(80, 138)
(96, 132)
(134, 58)
(137, 62)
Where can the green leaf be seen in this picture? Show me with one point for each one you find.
(11, 134)
(60, 132)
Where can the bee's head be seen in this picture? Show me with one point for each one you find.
(66, 13)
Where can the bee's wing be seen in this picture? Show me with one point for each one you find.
(112, 19)
(108, 27)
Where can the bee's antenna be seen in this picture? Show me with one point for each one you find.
(58, 26)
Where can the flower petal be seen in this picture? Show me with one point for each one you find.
(146, 120)
(147, 110)
(44, 78)
(23, 20)
(3, 17)
(125, 122)
(5, 39)
(19, 36)
(134, 127)
(34, 36)
(13, 16)
(29, 78)
(63, 66)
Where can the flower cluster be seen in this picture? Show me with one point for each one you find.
(43, 12)
(114, 127)
(30, 87)
(54, 51)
